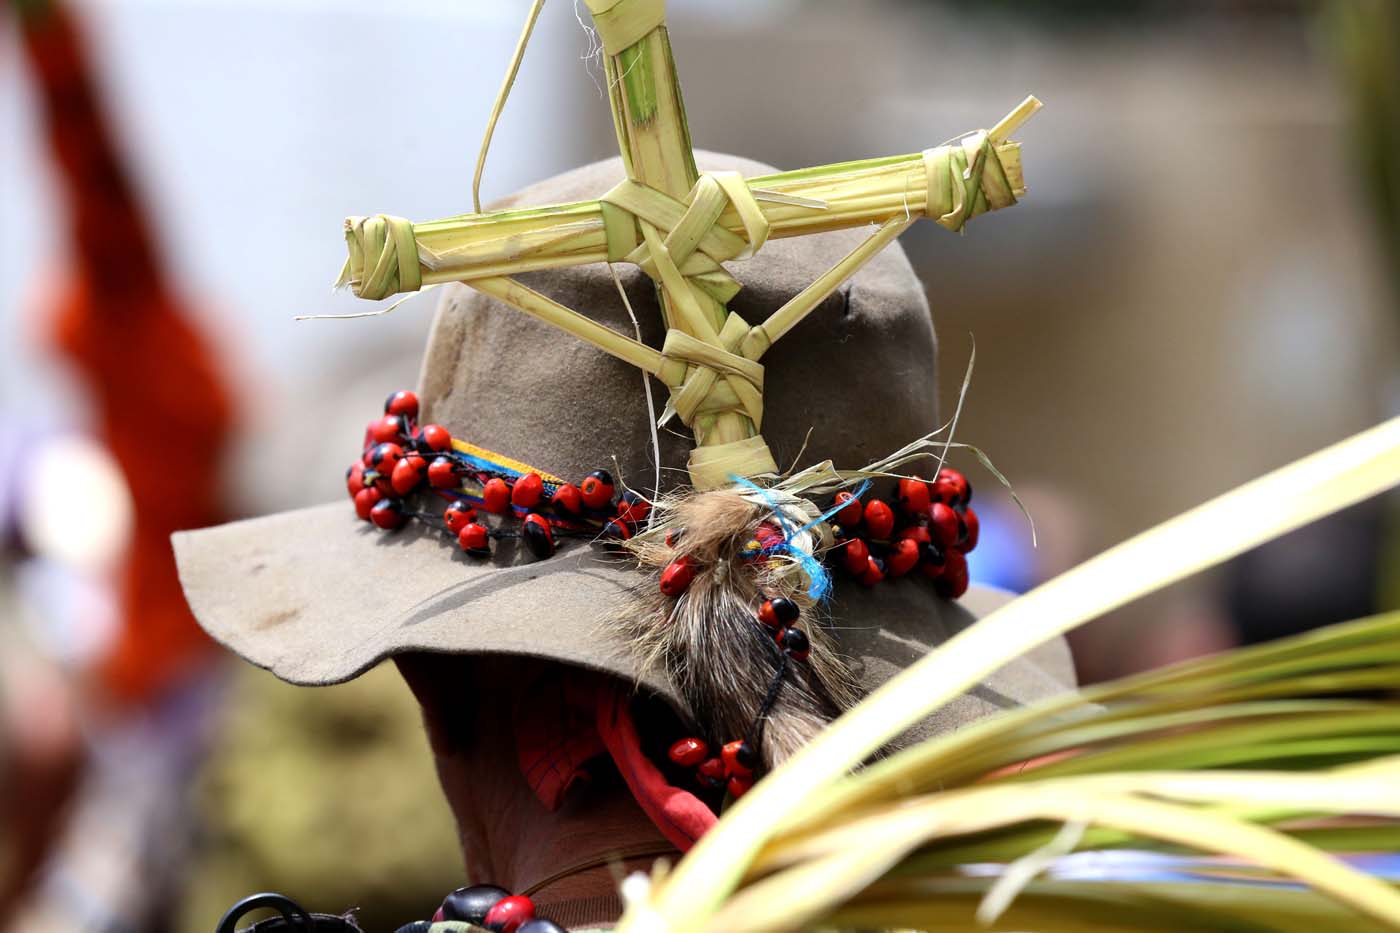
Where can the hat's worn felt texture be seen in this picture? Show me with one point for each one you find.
(317, 596)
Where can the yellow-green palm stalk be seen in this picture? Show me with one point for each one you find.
(1274, 755)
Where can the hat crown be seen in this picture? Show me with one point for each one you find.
(859, 373)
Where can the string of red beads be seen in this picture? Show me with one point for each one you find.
(403, 460)
(930, 526)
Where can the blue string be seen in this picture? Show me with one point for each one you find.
(816, 571)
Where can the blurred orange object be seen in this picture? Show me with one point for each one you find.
(164, 408)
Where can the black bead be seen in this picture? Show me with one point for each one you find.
(746, 755)
(540, 925)
(795, 640)
(472, 904)
(785, 610)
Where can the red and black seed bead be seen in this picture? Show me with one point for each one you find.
(409, 473)
(688, 752)
(403, 403)
(383, 456)
(794, 642)
(711, 773)
(739, 758)
(567, 501)
(879, 519)
(457, 516)
(365, 501)
(433, 438)
(388, 514)
(355, 478)
(778, 612)
(597, 489)
(913, 496)
(527, 491)
(855, 553)
(442, 473)
(632, 508)
(509, 913)
(943, 524)
(538, 536)
(675, 579)
(474, 539)
(902, 558)
(851, 510)
(495, 495)
(389, 429)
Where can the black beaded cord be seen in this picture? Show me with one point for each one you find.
(737, 766)
(402, 460)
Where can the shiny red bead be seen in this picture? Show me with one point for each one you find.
(567, 501)
(689, 752)
(778, 612)
(389, 430)
(794, 643)
(365, 500)
(597, 489)
(618, 529)
(495, 495)
(355, 478)
(676, 578)
(633, 508)
(971, 530)
(527, 491)
(855, 555)
(711, 772)
(952, 488)
(739, 758)
(913, 496)
(738, 786)
(874, 571)
(474, 539)
(943, 524)
(434, 438)
(408, 473)
(509, 913)
(388, 514)
(442, 473)
(903, 557)
(953, 582)
(538, 536)
(879, 519)
(851, 512)
(382, 457)
(403, 403)
(457, 516)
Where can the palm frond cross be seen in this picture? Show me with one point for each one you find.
(679, 226)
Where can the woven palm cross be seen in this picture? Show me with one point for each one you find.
(679, 227)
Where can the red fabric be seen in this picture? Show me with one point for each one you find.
(680, 815)
(163, 407)
(575, 716)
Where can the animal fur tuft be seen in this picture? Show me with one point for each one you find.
(709, 640)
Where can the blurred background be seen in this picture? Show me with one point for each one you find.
(1201, 285)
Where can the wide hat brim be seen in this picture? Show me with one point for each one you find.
(317, 597)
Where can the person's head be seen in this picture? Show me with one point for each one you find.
(551, 730)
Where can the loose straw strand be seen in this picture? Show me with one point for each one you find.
(646, 386)
(501, 96)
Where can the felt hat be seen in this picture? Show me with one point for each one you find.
(317, 597)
